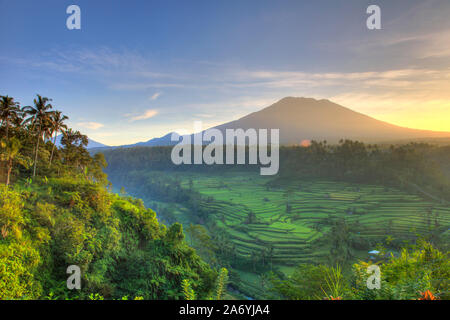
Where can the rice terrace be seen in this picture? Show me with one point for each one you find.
(277, 226)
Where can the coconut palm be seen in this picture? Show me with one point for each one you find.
(39, 117)
(74, 138)
(9, 111)
(57, 125)
(10, 153)
(74, 143)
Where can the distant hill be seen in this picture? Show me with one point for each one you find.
(91, 144)
(162, 141)
(155, 142)
(310, 119)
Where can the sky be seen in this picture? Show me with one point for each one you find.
(141, 69)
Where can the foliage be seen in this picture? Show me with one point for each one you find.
(189, 293)
(56, 209)
(221, 283)
(310, 281)
(418, 269)
(18, 267)
(65, 215)
(421, 273)
(336, 285)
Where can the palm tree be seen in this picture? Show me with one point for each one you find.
(57, 121)
(74, 138)
(11, 154)
(73, 142)
(9, 111)
(39, 118)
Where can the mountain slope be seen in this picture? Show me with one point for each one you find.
(161, 141)
(155, 142)
(309, 119)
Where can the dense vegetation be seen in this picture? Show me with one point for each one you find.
(415, 274)
(407, 166)
(303, 234)
(56, 211)
(329, 206)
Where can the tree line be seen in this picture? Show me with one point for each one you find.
(29, 141)
(57, 209)
(406, 166)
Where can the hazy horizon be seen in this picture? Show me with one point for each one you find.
(325, 125)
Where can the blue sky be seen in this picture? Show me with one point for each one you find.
(140, 69)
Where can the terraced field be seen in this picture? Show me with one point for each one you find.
(257, 220)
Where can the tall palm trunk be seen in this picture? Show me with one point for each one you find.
(9, 171)
(7, 128)
(37, 151)
(53, 149)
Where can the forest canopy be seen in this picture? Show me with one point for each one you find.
(56, 210)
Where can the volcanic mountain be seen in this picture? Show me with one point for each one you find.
(309, 119)
(300, 119)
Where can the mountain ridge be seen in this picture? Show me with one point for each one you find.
(300, 118)
(310, 119)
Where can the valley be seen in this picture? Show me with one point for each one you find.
(261, 228)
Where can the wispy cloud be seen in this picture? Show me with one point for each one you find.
(146, 115)
(102, 62)
(155, 96)
(436, 45)
(139, 86)
(331, 83)
(91, 125)
(430, 44)
(138, 73)
(226, 92)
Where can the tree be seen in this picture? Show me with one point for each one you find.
(288, 195)
(11, 218)
(251, 218)
(57, 124)
(340, 252)
(40, 116)
(11, 153)
(9, 111)
(201, 240)
(175, 234)
(306, 282)
(221, 285)
(74, 147)
(309, 281)
(96, 167)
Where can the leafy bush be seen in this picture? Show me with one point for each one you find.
(119, 245)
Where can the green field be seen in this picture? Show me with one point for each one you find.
(286, 237)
